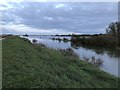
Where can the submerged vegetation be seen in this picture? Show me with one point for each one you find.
(96, 62)
(61, 39)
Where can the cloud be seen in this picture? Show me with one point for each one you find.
(48, 18)
(59, 5)
(21, 29)
(56, 17)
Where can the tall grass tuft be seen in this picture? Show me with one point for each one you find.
(96, 62)
(69, 51)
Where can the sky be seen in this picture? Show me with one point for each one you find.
(57, 17)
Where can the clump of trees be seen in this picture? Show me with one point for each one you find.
(25, 35)
(114, 30)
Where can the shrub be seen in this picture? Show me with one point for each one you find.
(69, 51)
(34, 40)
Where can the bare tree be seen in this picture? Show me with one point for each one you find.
(114, 30)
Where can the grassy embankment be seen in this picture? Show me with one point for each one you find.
(29, 65)
(0, 63)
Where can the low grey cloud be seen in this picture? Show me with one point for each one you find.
(56, 17)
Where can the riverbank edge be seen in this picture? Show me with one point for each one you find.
(49, 49)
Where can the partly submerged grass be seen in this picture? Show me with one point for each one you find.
(27, 65)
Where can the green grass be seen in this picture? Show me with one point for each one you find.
(28, 65)
(0, 64)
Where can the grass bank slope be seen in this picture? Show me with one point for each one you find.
(28, 65)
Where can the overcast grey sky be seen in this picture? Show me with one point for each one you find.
(57, 17)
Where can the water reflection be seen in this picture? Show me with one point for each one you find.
(99, 50)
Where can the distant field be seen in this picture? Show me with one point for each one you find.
(26, 65)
